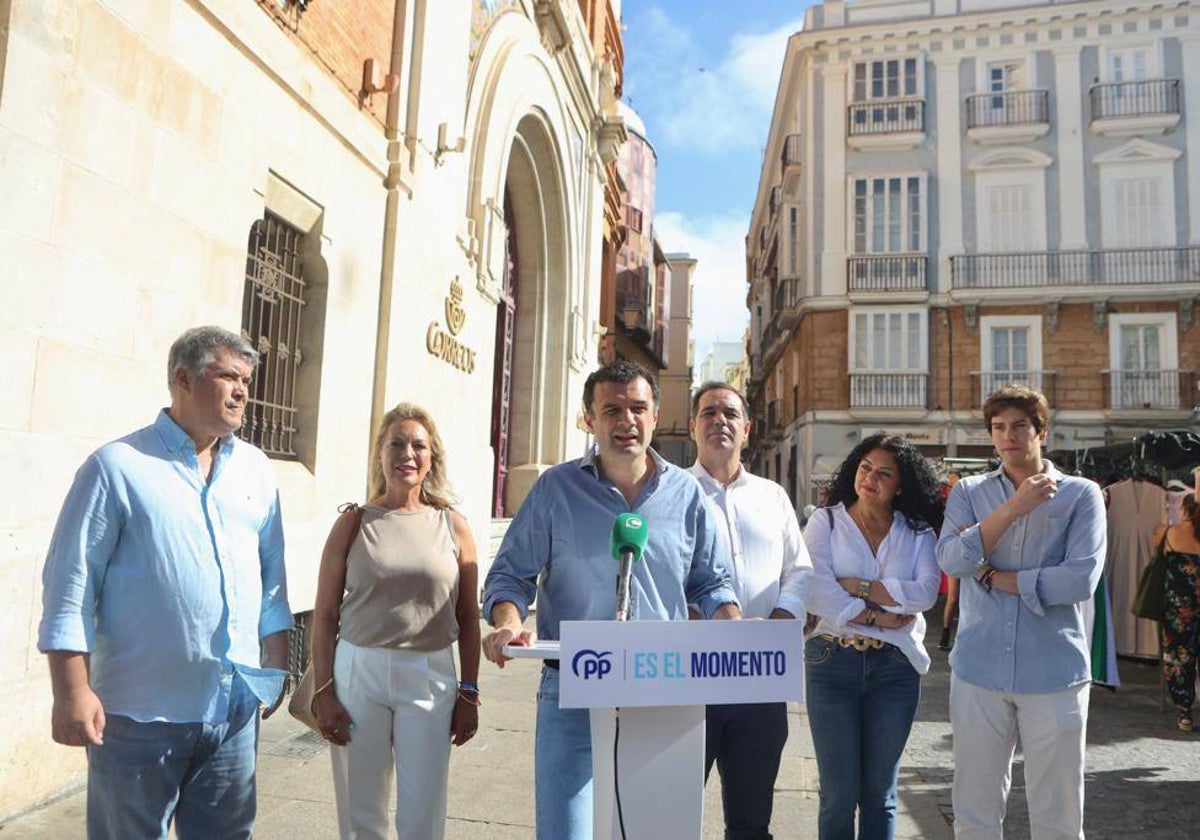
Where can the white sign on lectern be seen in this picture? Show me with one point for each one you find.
(605, 664)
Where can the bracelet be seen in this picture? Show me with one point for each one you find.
(468, 686)
(871, 615)
(467, 697)
(985, 575)
(864, 589)
(324, 686)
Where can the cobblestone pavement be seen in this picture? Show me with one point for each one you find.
(1143, 777)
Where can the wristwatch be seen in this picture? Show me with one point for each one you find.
(864, 589)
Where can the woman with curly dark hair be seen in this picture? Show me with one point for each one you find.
(1181, 625)
(874, 573)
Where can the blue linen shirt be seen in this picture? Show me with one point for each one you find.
(1033, 643)
(557, 547)
(168, 582)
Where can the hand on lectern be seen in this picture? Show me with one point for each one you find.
(494, 642)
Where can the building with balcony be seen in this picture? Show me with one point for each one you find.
(958, 194)
(396, 200)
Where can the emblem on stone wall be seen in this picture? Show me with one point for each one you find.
(456, 314)
(442, 342)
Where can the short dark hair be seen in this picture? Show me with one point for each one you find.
(622, 372)
(717, 385)
(1030, 401)
(917, 499)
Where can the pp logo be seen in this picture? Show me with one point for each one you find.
(594, 664)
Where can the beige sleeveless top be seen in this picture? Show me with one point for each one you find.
(402, 581)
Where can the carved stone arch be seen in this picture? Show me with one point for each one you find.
(517, 130)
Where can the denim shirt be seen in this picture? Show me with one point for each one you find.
(1034, 643)
(557, 547)
(167, 581)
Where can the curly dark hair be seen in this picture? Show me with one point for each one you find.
(917, 497)
(1191, 509)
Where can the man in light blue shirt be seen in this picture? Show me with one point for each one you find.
(1029, 543)
(558, 548)
(165, 611)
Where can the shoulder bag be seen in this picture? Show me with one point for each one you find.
(300, 705)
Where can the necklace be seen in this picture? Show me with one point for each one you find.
(873, 540)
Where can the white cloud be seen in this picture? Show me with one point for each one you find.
(710, 104)
(719, 299)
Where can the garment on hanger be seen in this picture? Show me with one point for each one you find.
(1135, 509)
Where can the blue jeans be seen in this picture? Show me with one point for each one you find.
(562, 766)
(861, 706)
(200, 775)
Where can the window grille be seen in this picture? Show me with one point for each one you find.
(272, 308)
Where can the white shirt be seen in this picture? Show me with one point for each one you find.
(768, 560)
(905, 563)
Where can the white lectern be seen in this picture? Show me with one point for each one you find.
(653, 679)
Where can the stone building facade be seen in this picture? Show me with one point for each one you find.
(395, 201)
(961, 193)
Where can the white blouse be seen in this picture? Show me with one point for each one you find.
(905, 563)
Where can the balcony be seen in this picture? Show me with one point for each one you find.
(887, 273)
(888, 390)
(789, 155)
(1149, 389)
(774, 429)
(1116, 267)
(1126, 109)
(1011, 116)
(633, 305)
(786, 301)
(983, 383)
(886, 124)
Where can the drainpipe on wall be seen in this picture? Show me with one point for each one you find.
(399, 154)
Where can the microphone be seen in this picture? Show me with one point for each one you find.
(626, 542)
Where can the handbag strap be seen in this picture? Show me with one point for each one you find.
(358, 515)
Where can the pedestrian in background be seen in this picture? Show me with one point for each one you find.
(874, 573)
(394, 594)
(164, 591)
(1028, 543)
(1180, 545)
(770, 570)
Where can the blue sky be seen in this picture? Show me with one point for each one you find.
(702, 74)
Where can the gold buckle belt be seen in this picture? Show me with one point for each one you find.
(859, 643)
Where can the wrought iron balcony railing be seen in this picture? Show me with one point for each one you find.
(1149, 389)
(887, 116)
(1134, 99)
(1009, 107)
(984, 382)
(887, 273)
(1117, 266)
(888, 390)
(787, 296)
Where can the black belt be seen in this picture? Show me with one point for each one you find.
(551, 663)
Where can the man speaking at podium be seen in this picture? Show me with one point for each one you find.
(771, 572)
(558, 548)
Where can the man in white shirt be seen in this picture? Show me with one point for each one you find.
(769, 564)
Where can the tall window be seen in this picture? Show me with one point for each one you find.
(272, 309)
(887, 215)
(1138, 212)
(889, 359)
(793, 241)
(1011, 351)
(1008, 217)
(1128, 65)
(1144, 356)
(892, 78)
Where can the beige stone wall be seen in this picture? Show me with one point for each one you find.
(139, 142)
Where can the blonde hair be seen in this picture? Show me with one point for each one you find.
(435, 491)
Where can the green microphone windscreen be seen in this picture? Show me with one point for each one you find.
(628, 532)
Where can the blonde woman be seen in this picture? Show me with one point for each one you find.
(394, 594)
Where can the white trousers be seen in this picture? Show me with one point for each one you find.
(400, 702)
(1052, 728)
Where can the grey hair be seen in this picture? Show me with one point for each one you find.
(196, 349)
